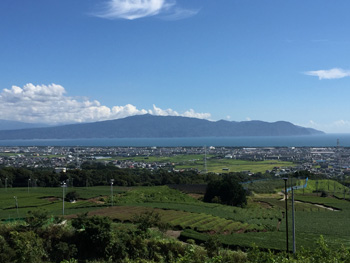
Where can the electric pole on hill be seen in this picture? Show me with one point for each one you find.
(205, 160)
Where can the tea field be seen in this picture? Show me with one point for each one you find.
(261, 222)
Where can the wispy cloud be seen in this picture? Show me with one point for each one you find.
(338, 126)
(50, 104)
(320, 40)
(134, 9)
(334, 73)
(342, 123)
(179, 13)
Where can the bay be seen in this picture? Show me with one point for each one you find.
(324, 140)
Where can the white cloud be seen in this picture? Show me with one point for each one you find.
(160, 112)
(342, 123)
(311, 123)
(169, 112)
(49, 104)
(134, 9)
(334, 73)
(192, 114)
(339, 126)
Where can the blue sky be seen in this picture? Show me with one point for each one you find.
(88, 60)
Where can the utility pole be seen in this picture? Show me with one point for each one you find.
(293, 218)
(286, 201)
(63, 195)
(16, 202)
(112, 181)
(28, 184)
(205, 160)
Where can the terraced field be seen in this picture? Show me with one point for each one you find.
(180, 220)
(261, 222)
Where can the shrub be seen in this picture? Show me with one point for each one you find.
(36, 219)
(72, 196)
(324, 194)
(28, 247)
(93, 236)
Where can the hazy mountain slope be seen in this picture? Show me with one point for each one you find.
(148, 126)
(15, 125)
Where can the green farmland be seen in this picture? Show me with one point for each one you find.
(214, 164)
(260, 223)
(232, 165)
(49, 199)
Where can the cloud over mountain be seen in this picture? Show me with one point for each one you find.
(50, 104)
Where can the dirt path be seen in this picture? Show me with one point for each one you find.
(283, 196)
(317, 205)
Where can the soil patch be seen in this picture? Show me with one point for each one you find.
(264, 204)
(173, 233)
(52, 199)
(320, 205)
(196, 196)
(96, 200)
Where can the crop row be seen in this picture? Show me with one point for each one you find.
(180, 219)
(267, 240)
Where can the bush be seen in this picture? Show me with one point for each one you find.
(72, 196)
(93, 236)
(149, 219)
(324, 194)
(36, 219)
(212, 245)
(28, 247)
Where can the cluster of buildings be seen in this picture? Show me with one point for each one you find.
(332, 161)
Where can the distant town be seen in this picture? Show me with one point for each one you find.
(331, 161)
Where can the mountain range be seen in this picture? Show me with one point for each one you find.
(150, 126)
(15, 125)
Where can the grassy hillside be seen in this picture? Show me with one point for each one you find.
(261, 222)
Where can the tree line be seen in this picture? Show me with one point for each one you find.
(96, 174)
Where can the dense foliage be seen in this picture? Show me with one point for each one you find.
(226, 191)
(97, 174)
(94, 174)
(97, 239)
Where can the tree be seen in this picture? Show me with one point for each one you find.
(36, 219)
(149, 219)
(72, 196)
(93, 235)
(227, 190)
(28, 247)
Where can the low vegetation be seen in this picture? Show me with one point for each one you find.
(143, 220)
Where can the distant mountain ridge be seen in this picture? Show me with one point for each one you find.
(150, 126)
(15, 125)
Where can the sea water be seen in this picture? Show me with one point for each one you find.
(324, 140)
